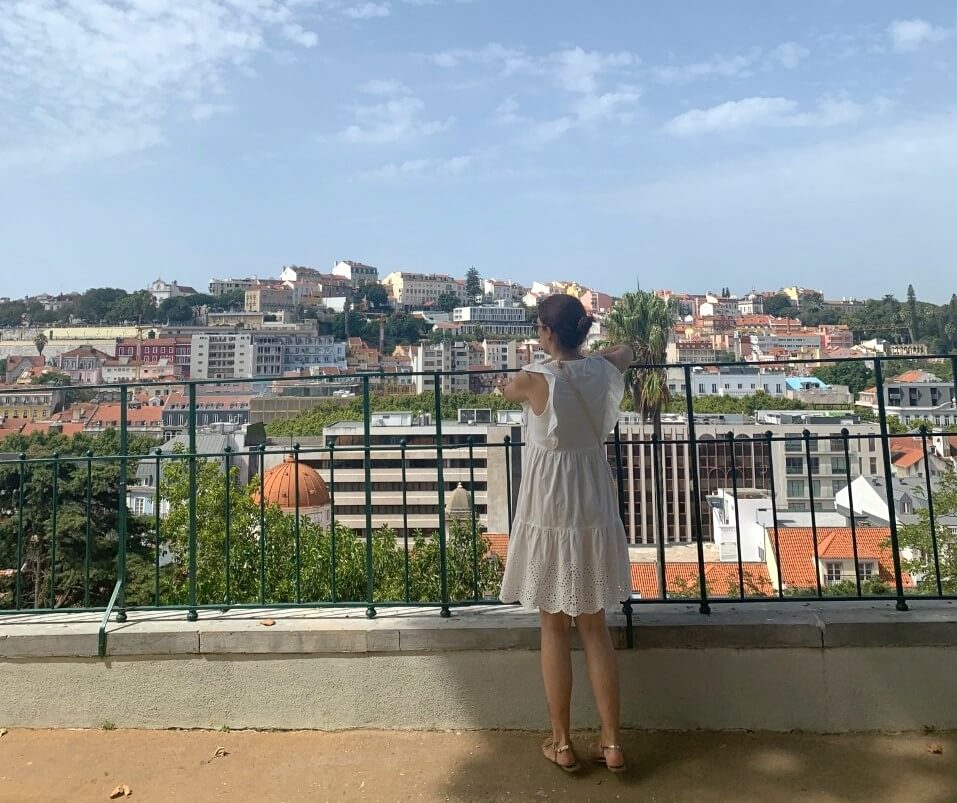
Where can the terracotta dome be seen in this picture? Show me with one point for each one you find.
(279, 485)
(459, 505)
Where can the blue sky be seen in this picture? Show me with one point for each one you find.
(680, 144)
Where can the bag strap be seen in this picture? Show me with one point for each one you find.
(581, 402)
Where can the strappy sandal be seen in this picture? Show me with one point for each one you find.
(600, 757)
(550, 746)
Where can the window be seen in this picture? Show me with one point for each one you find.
(833, 572)
(794, 465)
(866, 569)
(838, 465)
(873, 466)
(139, 506)
(795, 488)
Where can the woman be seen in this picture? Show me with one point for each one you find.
(567, 554)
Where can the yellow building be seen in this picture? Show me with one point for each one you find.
(30, 402)
(419, 289)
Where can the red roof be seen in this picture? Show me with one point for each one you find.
(721, 579)
(909, 458)
(910, 376)
(796, 548)
(109, 415)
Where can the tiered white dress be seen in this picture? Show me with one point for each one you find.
(567, 550)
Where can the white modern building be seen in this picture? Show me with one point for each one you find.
(356, 273)
(915, 396)
(732, 381)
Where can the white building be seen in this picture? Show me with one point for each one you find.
(732, 381)
(219, 287)
(356, 273)
(915, 396)
(501, 320)
(751, 304)
(161, 290)
(501, 290)
(445, 357)
(413, 290)
(234, 355)
(221, 355)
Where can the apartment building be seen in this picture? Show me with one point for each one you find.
(211, 409)
(499, 320)
(446, 356)
(697, 350)
(412, 290)
(755, 463)
(356, 273)
(502, 290)
(219, 287)
(734, 381)
(30, 402)
(484, 478)
(916, 396)
(150, 351)
(271, 297)
(83, 365)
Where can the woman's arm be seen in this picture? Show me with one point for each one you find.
(518, 389)
(619, 356)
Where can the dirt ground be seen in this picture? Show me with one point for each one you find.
(283, 767)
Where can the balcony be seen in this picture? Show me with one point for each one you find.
(250, 600)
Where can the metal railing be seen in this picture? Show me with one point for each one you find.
(57, 523)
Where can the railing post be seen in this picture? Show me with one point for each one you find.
(88, 540)
(737, 513)
(704, 606)
(367, 464)
(620, 484)
(228, 503)
(157, 510)
(121, 509)
(475, 585)
(405, 521)
(443, 556)
(845, 436)
(332, 516)
(810, 490)
(192, 615)
(56, 505)
(657, 465)
(20, 507)
(507, 446)
(889, 480)
(769, 439)
(298, 525)
(262, 524)
(930, 512)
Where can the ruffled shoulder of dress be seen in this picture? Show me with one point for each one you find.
(547, 368)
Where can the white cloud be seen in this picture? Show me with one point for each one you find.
(719, 66)
(420, 168)
(396, 119)
(204, 111)
(608, 105)
(508, 60)
(762, 112)
(508, 111)
(85, 80)
(908, 35)
(364, 11)
(379, 87)
(577, 70)
(789, 54)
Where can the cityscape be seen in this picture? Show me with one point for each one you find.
(275, 363)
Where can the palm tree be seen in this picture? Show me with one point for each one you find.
(644, 322)
(40, 341)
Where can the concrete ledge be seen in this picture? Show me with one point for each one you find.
(809, 666)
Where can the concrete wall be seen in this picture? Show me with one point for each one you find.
(756, 667)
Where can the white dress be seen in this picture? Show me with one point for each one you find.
(567, 549)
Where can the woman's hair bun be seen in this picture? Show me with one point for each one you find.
(585, 324)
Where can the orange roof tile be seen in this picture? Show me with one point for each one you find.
(721, 578)
(796, 548)
(498, 544)
(910, 458)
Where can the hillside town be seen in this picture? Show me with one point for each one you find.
(272, 361)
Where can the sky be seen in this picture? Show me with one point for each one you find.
(691, 145)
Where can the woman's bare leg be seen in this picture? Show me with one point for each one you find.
(603, 675)
(557, 673)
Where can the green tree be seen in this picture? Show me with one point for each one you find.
(230, 301)
(40, 341)
(917, 543)
(94, 305)
(780, 306)
(66, 585)
(376, 297)
(856, 375)
(644, 321)
(276, 550)
(474, 293)
(448, 302)
(175, 310)
(139, 306)
(912, 316)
